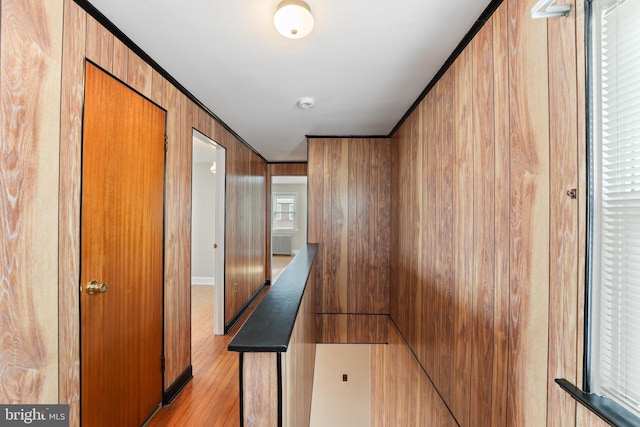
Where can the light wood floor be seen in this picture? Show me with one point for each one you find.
(211, 397)
(278, 264)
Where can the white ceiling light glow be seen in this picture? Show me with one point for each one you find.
(293, 19)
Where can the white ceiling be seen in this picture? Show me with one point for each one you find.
(365, 62)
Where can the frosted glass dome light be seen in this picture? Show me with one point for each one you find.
(293, 19)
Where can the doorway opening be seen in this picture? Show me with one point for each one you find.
(207, 234)
(288, 220)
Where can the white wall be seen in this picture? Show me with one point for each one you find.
(300, 236)
(336, 403)
(202, 217)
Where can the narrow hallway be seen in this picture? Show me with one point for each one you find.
(211, 397)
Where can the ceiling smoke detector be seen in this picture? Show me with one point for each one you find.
(306, 103)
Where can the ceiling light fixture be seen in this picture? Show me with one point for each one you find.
(293, 19)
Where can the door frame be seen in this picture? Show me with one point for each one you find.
(220, 228)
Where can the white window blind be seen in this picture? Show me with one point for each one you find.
(615, 192)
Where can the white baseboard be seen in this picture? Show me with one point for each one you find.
(209, 281)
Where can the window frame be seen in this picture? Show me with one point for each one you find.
(606, 408)
(275, 213)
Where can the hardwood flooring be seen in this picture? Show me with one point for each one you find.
(278, 264)
(211, 398)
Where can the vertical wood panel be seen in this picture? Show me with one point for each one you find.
(338, 257)
(260, 381)
(349, 199)
(380, 198)
(401, 393)
(502, 209)
(69, 214)
(299, 361)
(484, 243)
(30, 66)
(463, 238)
(139, 74)
(99, 44)
(430, 208)
(120, 60)
(529, 218)
(175, 314)
(586, 418)
(157, 88)
(563, 250)
(446, 145)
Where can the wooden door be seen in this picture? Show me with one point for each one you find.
(122, 246)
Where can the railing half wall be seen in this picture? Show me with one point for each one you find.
(277, 347)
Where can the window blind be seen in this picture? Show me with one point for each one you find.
(615, 191)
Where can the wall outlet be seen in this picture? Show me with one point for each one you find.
(235, 287)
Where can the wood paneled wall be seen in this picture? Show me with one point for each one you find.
(246, 177)
(298, 364)
(44, 46)
(349, 215)
(278, 169)
(401, 393)
(272, 380)
(30, 61)
(487, 247)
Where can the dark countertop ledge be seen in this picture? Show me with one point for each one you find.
(269, 327)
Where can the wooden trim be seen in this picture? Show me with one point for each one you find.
(240, 377)
(174, 389)
(74, 33)
(346, 136)
(280, 391)
(234, 320)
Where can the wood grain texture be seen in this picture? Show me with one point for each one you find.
(348, 192)
(211, 398)
(120, 60)
(69, 213)
(463, 245)
(289, 169)
(122, 227)
(484, 226)
(260, 389)
(529, 217)
(99, 44)
(401, 393)
(30, 67)
(298, 363)
(499, 227)
(139, 74)
(563, 250)
(176, 312)
(586, 418)
(502, 209)
(352, 329)
(245, 250)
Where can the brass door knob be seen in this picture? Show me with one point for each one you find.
(96, 288)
